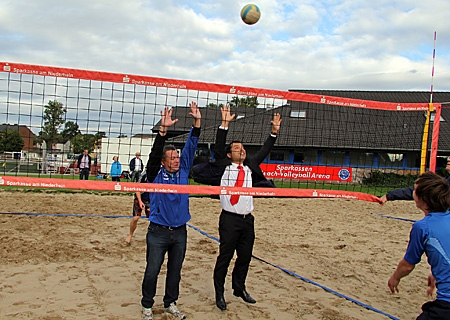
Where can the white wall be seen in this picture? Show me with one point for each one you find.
(126, 149)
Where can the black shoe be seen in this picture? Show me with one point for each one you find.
(244, 295)
(220, 302)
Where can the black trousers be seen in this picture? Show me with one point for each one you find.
(237, 233)
(435, 310)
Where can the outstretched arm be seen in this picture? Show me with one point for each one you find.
(166, 121)
(154, 159)
(221, 134)
(226, 116)
(403, 269)
(270, 141)
(195, 113)
(276, 123)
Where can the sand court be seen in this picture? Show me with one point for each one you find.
(72, 262)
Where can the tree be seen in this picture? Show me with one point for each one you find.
(11, 141)
(236, 102)
(82, 142)
(71, 129)
(53, 120)
(247, 102)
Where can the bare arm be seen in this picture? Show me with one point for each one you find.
(403, 269)
(141, 204)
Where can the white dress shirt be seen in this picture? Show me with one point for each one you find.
(229, 177)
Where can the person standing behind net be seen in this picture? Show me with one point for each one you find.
(141, 203)
(84, 165)
(116, 169)
(406, 193)
(169, 213)
(236, 222)
(431, 236)
(136, 167)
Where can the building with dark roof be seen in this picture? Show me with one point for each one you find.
(319, 134)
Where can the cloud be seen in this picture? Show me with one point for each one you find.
(352, 44)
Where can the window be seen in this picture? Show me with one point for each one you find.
(301, 114)
(432, 115)
(298, 157)
(276, 156)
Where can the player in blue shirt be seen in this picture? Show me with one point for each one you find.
(431, 236)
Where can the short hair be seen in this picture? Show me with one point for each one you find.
(166, 148)
(434, 191)
(228, 147)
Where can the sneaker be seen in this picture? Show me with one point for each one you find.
(147, 313)
(173, 310)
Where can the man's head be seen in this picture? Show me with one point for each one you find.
(236, 152)
(170, 159)
(86, 152)
(432, 193)
(138, 154)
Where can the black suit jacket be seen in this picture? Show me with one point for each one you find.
(211, 173)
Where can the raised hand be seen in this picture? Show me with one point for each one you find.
(195, 113)
(276, 122)
(166, 120)
(226, 116)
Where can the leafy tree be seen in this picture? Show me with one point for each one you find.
(71, 129)
(99, 135)
(53, 120)
(10, 140)
(247, 102)
(82, 142)
(236, 102)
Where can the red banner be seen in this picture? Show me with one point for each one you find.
(204, 86)
(301, 172)
(53, 183)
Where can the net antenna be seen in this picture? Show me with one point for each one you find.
(426, 128)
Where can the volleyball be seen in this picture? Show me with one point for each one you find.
(250, 14)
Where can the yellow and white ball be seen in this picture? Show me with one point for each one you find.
(250, 14)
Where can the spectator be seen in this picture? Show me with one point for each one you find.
(116, 169)
(136, 167)
(84, 165)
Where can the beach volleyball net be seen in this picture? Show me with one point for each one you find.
(329, 145)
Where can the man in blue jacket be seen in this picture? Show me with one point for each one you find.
(406, 193)
(169, 214)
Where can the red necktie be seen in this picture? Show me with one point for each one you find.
(239, 182)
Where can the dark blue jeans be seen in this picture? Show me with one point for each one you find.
(160, 241)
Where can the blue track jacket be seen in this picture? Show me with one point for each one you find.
(171, 209)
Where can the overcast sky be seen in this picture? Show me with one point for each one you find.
(321, 44)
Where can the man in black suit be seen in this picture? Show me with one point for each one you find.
(236, 223)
